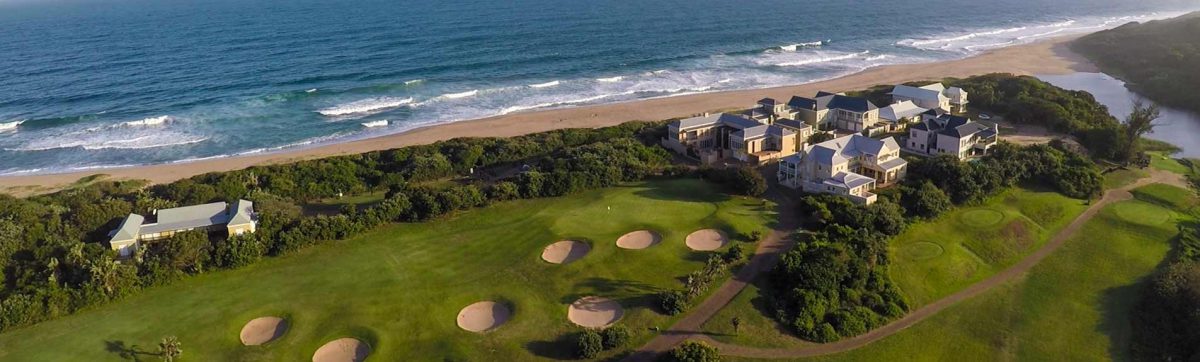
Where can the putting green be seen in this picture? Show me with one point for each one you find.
(921, 250)
(1141, 212)
(981, 217)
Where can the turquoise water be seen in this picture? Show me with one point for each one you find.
(90, 84)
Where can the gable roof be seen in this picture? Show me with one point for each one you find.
(802, 103)
(130, 228)
(929, 92)
(767, 101)
(854, 104)
(900, 110)
(726, 119)
(841, 149)
(848, 180)
(761, 131)
(791, 123)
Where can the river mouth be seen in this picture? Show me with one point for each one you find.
(1177, 126)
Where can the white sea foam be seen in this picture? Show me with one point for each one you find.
(610, 79)
(102, 142)
(797, 46)
(822, 59)
(314, 90)
(365, 106)
(975, 40)
(414, 81)
(545, 85)
(152, 121)
(459, 95)
(379, 123)
(10, 126)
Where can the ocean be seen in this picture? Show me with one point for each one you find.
(88, 84)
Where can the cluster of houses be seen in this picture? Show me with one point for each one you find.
(859, 158)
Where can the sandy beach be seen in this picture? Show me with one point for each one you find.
(1046, 57)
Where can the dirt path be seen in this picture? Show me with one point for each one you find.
(691, 329)
(769, 250)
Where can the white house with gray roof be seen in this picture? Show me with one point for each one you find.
(236, 219)
(851, 166)
(932, 96)
(946, 134)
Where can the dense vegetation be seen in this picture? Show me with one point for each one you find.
(834, 284)
(54, 260)
(1159, 59)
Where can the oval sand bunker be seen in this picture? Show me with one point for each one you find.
(565, 251)
(706, 240)
(594, 312)
(262, 330)
(342, 350)
(483, 316)
(640, 239)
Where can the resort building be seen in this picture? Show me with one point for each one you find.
(947, 134)
(828, 111)
(900, 114)
(236, 220)
(933, 96)
(716, 137)
(851, 166)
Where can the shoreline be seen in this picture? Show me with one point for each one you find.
(1049, 56)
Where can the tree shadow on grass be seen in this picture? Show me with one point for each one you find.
(629, 293)
(130, 352)
(561, 348)
(1118, 304)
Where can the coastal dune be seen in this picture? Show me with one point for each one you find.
(1046, 57)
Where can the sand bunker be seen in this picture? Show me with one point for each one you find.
(706, 240)
(594, 312)
(342, 350)
(640, 239)
(483, 316)
(565, 251)
(262, 330)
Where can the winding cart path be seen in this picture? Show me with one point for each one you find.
(778, 242)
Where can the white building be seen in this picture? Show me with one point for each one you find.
(851, 166)
(951, 135)
(235, 219)
(932, 96)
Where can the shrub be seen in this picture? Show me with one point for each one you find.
(692, 351)
(673, 302)
(733, 254)
(615, 336)
(589, 344)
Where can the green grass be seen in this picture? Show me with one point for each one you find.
(1073, 306)
(935, 258)
(1121, 178)
(1168, 196)
(1164, 162)
(401, 286)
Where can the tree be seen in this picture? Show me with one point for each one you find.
(615, 336)
(749, 182)
(692, 351)
(589, 343)
(673, 302)
(926, 200)
(736, 322)
(1139, 123)
(170, 348)
(819, 137)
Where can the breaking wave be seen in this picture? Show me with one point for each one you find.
(152, 121)
(365, 106)
(10, 126)
(545, 85)
(823, 59)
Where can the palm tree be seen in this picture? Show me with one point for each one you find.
(736, 322)
(1139, 123)
(170, 348)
